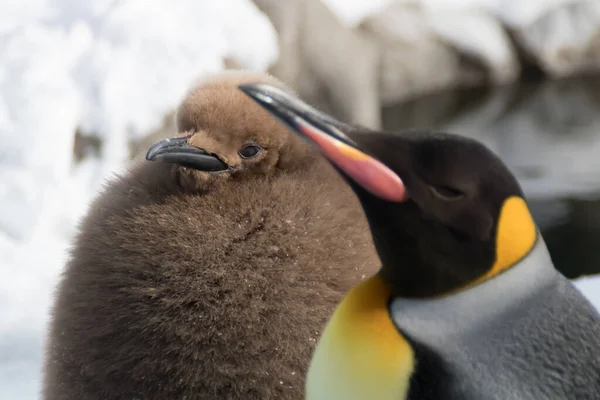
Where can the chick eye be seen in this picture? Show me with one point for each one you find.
(250, 151)
(446, 193)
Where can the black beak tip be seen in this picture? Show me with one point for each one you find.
(151, 154)
(171, 145)
(155, 150)
(178, 151)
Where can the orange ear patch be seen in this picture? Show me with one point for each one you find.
(515, 236)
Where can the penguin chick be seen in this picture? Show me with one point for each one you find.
(467, 303)
(209, 271)
(215, 143)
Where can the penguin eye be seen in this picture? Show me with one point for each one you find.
(446, 193)
(250, 151)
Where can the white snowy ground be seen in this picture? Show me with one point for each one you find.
(112, 68)
(590, 286)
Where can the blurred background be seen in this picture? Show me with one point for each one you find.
(84, 86)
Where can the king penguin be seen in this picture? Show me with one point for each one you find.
(467, 303)
(208, 270)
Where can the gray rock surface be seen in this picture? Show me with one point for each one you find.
(566, 40)
(331, 65)
(425, 51)
(413, 48)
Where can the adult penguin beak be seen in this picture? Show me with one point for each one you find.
(179, 151)
(320, 129)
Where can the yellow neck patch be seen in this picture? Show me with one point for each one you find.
(515, 236)
(361, 354)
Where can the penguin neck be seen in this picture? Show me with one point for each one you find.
(481, 302)
(538, 252)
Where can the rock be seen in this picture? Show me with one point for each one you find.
(329, 64)
(286, 17)
(349, 59)
(394, 53)
(480, 36)
(347, 64)
(425, 51)
(355, 12)
(410, 54)
(565, 41)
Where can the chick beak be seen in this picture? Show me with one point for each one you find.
(179, 151)
(318, 128)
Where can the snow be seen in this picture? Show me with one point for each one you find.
(589, 287)
(511, 12)
(112, 69)
(352, 12)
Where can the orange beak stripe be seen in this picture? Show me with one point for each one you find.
(367, 171)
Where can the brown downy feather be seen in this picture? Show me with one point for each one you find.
(187, 285)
